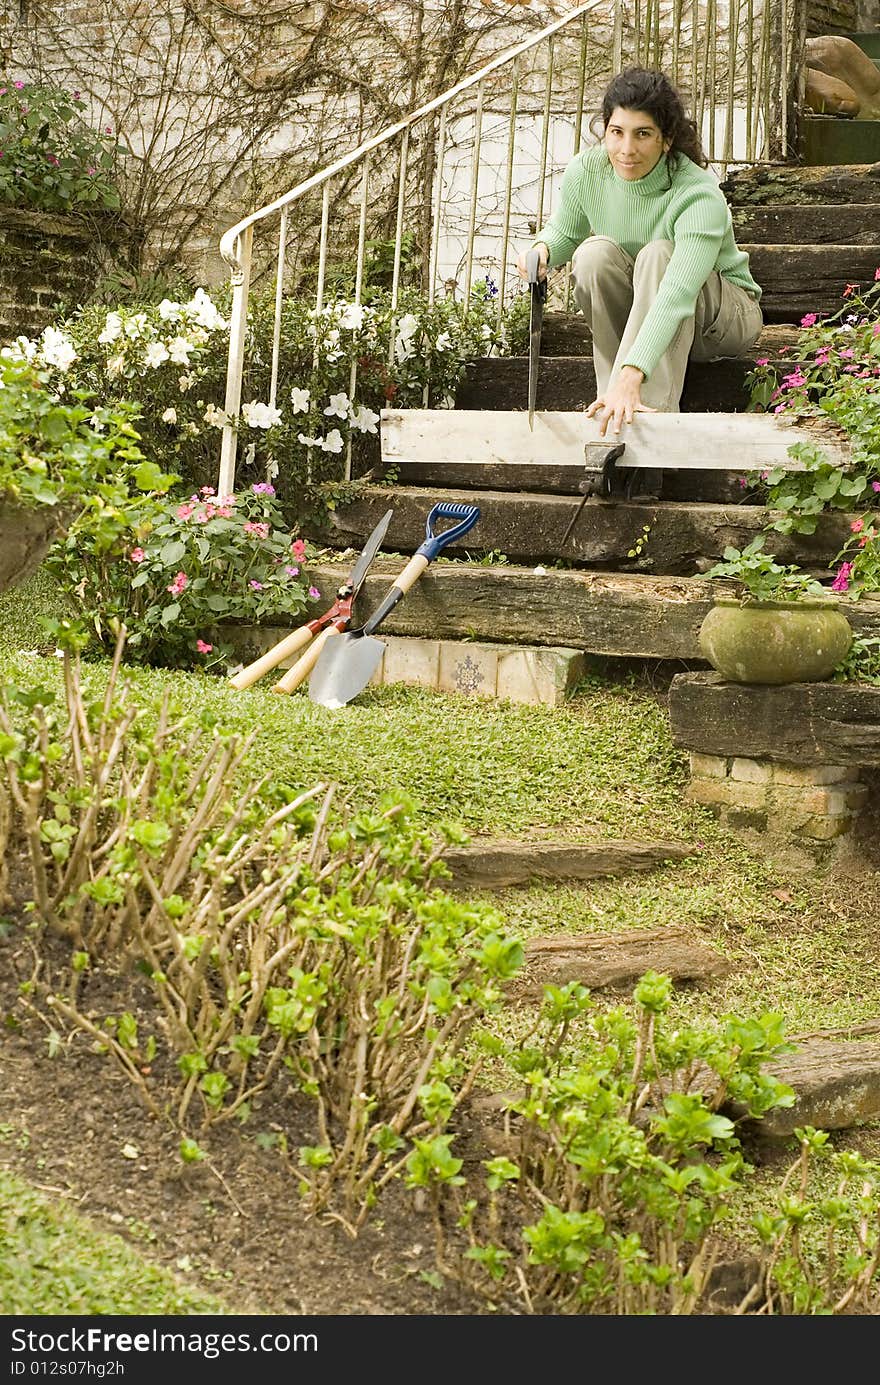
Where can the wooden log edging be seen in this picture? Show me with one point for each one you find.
(633, 615)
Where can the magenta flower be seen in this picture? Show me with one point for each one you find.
(808, 320)
(841, 581)
(257, 586)
(743, 483)
(875, 485)
(137, 555)
(263, 488)
(203, 648)
(847, 352)
(314, 593)
(762, 360)
(207, 490)
(179, 584)
(877, 272)
(857, 525)
(291, 571)
(794, 380)
(18, 85)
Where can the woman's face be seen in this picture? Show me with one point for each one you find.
(634, 143)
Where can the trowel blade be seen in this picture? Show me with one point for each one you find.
(344, 668)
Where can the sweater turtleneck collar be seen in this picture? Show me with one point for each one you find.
(657, 181)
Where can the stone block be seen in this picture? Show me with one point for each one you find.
(471, 669)
(728, 793)
(708, 766)
(411, 661)
(751, 771)
(825, 829)
(543, 676)
(796, 775)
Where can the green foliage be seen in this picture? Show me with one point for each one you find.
(833, 376)
(761, 578)
(170, 571)
(171, 357)
(861, 664)
(50, 158)
(859, 559)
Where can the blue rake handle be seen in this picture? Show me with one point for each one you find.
(467, 516)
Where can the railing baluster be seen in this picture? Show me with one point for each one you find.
(617, 37)
(508, 188)
(579, 121)
(279, 304)
(358, 290)
(398, 232)
(676, 40)
(751, 133)
(438, 204)
(235, 362)
(545, 136)
(732, 27)
(475, 183)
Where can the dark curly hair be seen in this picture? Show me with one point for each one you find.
(640, 89)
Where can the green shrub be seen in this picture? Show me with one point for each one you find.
(50, 158)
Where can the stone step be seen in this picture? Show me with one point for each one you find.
(614, 961)
(631, 614)
(495, 865)
(799, 279)
(796, 723)
(769, 184)
(529, 528)
(567, 334)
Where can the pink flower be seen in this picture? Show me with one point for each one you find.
(90, 172)
(184, 511)
(841, 581)
(203, 648)
(875, 486)
(18, 85)
(257, 586)
(298, 549)
(207, 490)
(808, 319)
(794, 380)
(877, 272)
(762, 360)
(259, 531)
(263, 488)
(857, 525)
(822, 356)
(136, 555)
(291, 571)
(847, 352)
(108, 129)
(314, 593)
(849, 290)
(180, 582)
(743, 483)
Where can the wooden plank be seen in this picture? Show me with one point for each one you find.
(683, 441)
(614, 961)
(630, 614)
(797, 723)
(494, 865)
(798, 183)
(810, 223)
(529, 528)
(836, 1086)
(712, 487)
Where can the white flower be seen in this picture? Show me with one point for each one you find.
(539, 571)
(22, 349)
(116, 364)
(333, 441)
(203, 311)
(331, 342)
(486, 332)
(57, 349)
(112, 328)
(365, 420)
(300, 399)
(168, 311)
(309, 442)
(179, 349)
(169, 416)
(135, 326)
(406, 330)
(258, 415)
(443, 342)
(155, 354)
(184, 383)
(216, 417)
(272, 469)
(352, 316)
(339, 406)
(95, 424)
(249, 453)
(191, 429)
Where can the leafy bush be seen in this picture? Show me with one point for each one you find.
(833, 375)
(50, 159)
(171, 357)
(174, 570)
(761, 578)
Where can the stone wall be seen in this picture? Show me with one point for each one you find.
(832, 17)
(49, 262)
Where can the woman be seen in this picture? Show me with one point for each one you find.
(657, 272)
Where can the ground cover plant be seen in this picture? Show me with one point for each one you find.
(603, 763)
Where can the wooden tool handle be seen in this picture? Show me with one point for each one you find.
(306, 662)
(282, 650)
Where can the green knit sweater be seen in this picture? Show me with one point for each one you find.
(687, 208)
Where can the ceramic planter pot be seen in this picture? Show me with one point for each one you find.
(774, 641)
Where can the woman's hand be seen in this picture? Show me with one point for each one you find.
(621, 401)
(543, 257)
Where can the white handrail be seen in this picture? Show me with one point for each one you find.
(228, 248)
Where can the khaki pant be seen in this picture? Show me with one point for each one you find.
(615, 291)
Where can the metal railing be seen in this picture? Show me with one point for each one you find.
(493, 146)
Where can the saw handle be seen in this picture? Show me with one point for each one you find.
(533, 271)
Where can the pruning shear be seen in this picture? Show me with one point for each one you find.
(317, 631)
